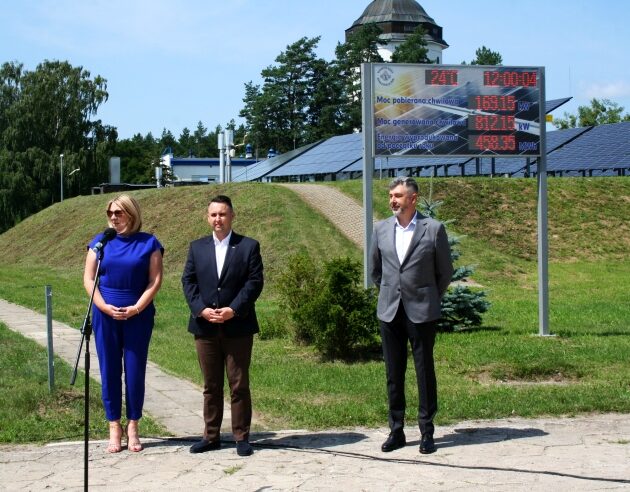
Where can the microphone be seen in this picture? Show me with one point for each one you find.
(108, 235)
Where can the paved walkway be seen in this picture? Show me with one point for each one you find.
(584, 453)
(344, 212)
(176, 403)
(337, 207)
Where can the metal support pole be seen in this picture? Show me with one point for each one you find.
(543, 244)
(368, 168)
(49, 346)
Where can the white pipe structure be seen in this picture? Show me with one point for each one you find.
(61, 175)
(221, 146)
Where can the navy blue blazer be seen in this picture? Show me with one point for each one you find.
(239, 286)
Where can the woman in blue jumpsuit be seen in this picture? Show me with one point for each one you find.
(122, 318)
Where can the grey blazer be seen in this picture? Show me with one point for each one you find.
(422, 278)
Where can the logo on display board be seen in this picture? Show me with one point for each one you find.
(385, 76)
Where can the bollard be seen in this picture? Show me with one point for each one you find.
(51, 352)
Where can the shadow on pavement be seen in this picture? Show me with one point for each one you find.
(484, 435)
(316, 440)
(465, 436)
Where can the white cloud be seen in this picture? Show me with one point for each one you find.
(610, 90)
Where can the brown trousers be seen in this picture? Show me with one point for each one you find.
(233, 354)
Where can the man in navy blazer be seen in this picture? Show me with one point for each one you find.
(412, 268)
(222, 279)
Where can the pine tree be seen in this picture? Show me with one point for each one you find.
(462, 307)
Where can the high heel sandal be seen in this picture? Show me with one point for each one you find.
(115, 437)
(133, 442)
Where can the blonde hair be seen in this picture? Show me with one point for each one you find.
(131, 207)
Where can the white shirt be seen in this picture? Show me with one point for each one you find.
(403, 237)
(220, 250)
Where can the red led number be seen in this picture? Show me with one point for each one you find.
(493, 103)
(441, 77)
(491, 122)
(496, 143)
(510, 78)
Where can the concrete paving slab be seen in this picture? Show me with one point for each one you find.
(585, 453)
(511, 454)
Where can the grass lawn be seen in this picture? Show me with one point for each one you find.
(30, 413)
(498, 370)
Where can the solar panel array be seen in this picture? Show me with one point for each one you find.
(604, 147)
(331, 156)
(555, 104)
(599, 150)
(261, 169)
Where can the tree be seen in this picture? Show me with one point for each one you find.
(485, 56)
(324, 115)
(304, 98)
(44, 113)
(413, 49)
(139, 156)
(167, 141)
(360, 47)
(200, 137)
(48, 108)
(600, 112)
(328, 307)
(278, 112)
(461, 307)
(186, 143)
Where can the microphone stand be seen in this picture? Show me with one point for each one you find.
(86, 331)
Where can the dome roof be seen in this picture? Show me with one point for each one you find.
(393, 11)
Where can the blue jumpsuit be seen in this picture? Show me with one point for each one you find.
(124, 277)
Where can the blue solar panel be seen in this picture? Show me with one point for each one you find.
(331, 156)
(599, 149)
(264, 168)
(512, 166)
(555, 104)
(603, 147)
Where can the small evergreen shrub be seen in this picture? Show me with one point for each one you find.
(329, 308)
(461, 307)
(297, 284)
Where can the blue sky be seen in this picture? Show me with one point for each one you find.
(170, 64)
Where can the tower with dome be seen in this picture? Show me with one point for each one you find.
(398, 19)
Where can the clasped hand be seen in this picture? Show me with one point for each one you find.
(122, 313)
(220, 315)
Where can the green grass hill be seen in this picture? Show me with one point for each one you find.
(588, 221)
(497, 370)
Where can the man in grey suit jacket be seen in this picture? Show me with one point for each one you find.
(412, 269)
(222, 279)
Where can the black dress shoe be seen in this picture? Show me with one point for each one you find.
(396, 440)
(244, 448)
(427, 446)
(205, 445)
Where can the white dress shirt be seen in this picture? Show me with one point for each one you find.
(220, 250)
(403, 237)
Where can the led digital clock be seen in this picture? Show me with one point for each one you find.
(510, 78)
(494, 143)
(491, 122)
(504, 104)
(440, 76)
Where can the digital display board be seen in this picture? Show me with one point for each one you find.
(456, 110)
